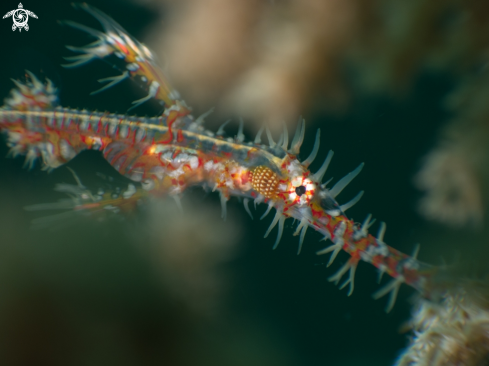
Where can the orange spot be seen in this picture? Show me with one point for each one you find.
(151, 150)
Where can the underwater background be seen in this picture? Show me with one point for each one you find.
(159, 287)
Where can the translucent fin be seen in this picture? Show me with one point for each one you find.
(349, 265)
(415, 251)
(302, 228)
(258, 135)
(339, 232)
(318, 176)
(314, 151)
(281, 222)
(270, 206)
(392, 288)
(258, 200)
(113, 81)
(36, 83)
(270, 138)
(352, 202)
(153, 90)
(96, 43)
(30, 159)
(220, 131)
(83, 202)
(343, 182)
(240, 137)
(367, 224)
(335, 248)
(327, 236)
(298, 137)
(77, 179)
(381, 273)
(323, 186)
(78, 60)
(285, 142)
(224, 212)
(178, 202)
(246, 202)
(277, 217)
(280, 140)
(381, 233)
(200, 120)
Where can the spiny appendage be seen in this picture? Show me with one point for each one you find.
(102, 204)
(265, 182)
(357, 242)
(32, 94)
(23, 130)
(139, 61)
(344, 233)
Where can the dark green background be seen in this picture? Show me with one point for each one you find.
(280, 308)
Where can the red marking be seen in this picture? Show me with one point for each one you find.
(88, 205)
(172, 117)
(170, 133)
(174, 182)
(248, 154)
(253, 194)
(122, 47)
(180, 137)
(315, 213)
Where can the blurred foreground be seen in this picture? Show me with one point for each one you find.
(401, 86)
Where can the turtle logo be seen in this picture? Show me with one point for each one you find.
(20, 17)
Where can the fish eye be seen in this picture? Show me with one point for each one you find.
(300, 190)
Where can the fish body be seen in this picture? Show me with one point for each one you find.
(166, 154)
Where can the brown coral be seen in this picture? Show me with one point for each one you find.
(454, 331)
